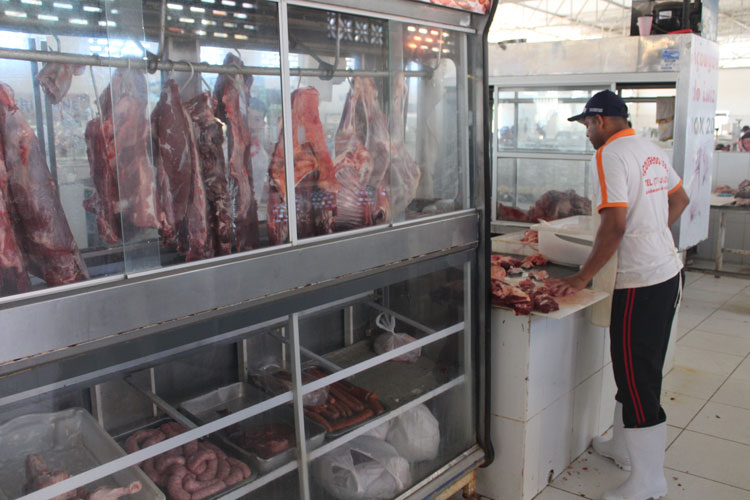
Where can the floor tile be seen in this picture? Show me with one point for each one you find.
(591, 475)
(724, 421)
(689, 320)
(717, 363)
(716, 342)
(740, 317)
(725, 285)
(684, 486)
(551, 493)
(739, 304)
(711, 458)
(672, 433)
(743, 371)
(691, 277)
(707, 297)
(680, 408)
(734, 392)
(692, 382)
(716, 324)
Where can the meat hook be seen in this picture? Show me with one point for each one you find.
(96, 92)
(190, 78)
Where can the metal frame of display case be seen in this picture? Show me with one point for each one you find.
(609, 63)
(75, 327)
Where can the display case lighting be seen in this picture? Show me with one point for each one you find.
(200, 32)
(250, 27)
(248, 5)
(208, 22)
(188, 20)
(423, 31)
(199, 10)
(208, 1)
(174, 6)
(429, 40)
(14, 13)
(81, 22)
(418, 38)
(240, 15)
(61, 5)
(229, 3)
(31, 2)
(91, 8)
(412, 45)
(220, 13)
(240, 36)
(230, 25)
(219, 34)
(411, 28)
(47, 17)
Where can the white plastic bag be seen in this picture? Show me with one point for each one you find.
(415, 434)
(380, 432)
(365, 468)
(391, 340)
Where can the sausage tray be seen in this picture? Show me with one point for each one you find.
(240, 395)
(70, 440)
(158, 422)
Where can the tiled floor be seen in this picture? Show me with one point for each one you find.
(707, 400)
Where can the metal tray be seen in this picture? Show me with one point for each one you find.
(69, 440)
(122, 437)
(240, 395)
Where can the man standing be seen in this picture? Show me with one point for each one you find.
(638, 196)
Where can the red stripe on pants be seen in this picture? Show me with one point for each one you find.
(628, 356)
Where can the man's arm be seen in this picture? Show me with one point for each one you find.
(608, 238)
(678, 202)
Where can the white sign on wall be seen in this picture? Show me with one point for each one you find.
(699, 143)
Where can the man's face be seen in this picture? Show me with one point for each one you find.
(746, 144)
(595, 130)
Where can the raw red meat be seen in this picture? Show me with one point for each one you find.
(265, 441)
(13, 277)
(530, 236)
(404, 171)
(182, 200)
(232, 93)
(511, 296)
(497, 272)
(55, 79)
(505, 261)
(725, 190)
(543, 301)
(362, 148)
(39, 221)
(554, 205)
(534, 260)
(539, 275)
(526, 285)
(125, 193)
(515, 271)
(314, 176)
(209, 136)
(511, 213)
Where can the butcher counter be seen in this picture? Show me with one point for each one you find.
(552, 392)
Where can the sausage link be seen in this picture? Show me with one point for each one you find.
(357, 419)
(318, 419)
(174, 486)
(190, 448)
(192, 484)
(157, 437)
(372, 401)
(349, 399)
(198, 462)
(224, 469)
(164, 462)
(208, 491)
(328, 412)
(212, 466)
(242, 465)
(150, 470)
(342, 407)
(137, 440)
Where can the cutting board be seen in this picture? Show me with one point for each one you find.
(570, 304)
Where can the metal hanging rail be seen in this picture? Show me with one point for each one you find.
(122, 62)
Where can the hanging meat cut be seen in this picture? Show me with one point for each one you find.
(554, 205)
(404, 172)
(123, 178)
(13, 277)
(362, 153)
(314, 176)
(181, 198)
(55, 79)
(232, 94)
(209, 136)
(39, 221)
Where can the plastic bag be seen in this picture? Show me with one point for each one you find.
(380, 432)
(364, 468)
(391, 340)
(415, 434)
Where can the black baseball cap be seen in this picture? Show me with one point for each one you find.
(605, 103)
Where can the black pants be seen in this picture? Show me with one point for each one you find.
(639, 333)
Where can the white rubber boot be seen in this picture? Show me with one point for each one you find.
(646, 449)
(614, 448)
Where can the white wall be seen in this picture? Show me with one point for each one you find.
(734, 93)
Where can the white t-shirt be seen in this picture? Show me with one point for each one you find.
(633, 172)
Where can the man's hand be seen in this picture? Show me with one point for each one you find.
(561, 287)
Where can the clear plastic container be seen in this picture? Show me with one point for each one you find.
(562, 251)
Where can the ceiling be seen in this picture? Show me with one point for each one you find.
(552, 20)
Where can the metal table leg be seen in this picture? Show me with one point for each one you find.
(719, 257)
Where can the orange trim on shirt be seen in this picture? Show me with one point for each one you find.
(674, 189)
(622, 204)
(600, 168)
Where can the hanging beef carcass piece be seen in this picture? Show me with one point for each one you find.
(209, 136)
(554, 205)
(232, 93)
(124, 189)
(55, 79)
(40, 224)
(314, 176)
(181, 199)
(13, 277)
(362, 154)
(404, 172)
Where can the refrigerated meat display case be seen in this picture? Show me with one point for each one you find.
(177, 325)
(542, 163)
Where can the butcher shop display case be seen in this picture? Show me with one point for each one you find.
(542, 168)
(175, 324)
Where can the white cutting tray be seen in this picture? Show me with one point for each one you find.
(69, 440)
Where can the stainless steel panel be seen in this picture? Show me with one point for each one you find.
(161, 297)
